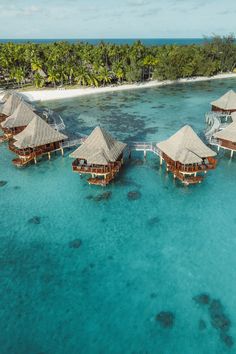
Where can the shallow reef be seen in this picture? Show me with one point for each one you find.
(36, 220)
(218, 318)
(3, 183)
(100, 197)
(76, 243)
(166, 319)
(133, 195)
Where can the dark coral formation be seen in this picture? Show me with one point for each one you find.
(202, 299)
(137, 162)
(35, 220)
(219, 320)
(166, 319)
(3, 183)
(134, 195)
(75, 243)
(201, 325)
(153, 221)
(228, 340)
(102, 196)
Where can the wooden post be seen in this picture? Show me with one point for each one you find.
(49, 156)
(35, 160)
(232, 154)
(218, 148)
(144, 153)
(62, 152)
(161, 160)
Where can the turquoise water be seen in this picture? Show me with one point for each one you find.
(137, 258)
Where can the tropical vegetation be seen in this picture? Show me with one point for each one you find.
(63, 63)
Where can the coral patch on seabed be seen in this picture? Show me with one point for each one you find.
(3, 183)
(202, 299)
(134, 195)
(75, 243)
(219, 320)
(153, 221)
(166, 319)
(201, 325)
(100, 197)
(35, 220)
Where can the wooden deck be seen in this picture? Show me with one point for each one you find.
(189, 174)
(184, 178)
(101, 175)
(28, 155)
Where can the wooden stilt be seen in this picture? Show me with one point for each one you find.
(35, 160)
(62, 152)
(232, 154)
(49, 156)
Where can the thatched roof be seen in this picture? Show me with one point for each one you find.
(11, 104)
(185, 147)
(227, 102)
(228, 133)
(21, 117)
(37, 133)
(5, 97)
(99, 148)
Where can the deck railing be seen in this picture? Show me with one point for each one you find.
(95, 169)
(144, 146)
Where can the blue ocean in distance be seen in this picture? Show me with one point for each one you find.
(118, 41)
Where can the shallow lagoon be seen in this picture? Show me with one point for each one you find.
(136, 258)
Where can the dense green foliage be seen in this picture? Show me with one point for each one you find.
(62, 63)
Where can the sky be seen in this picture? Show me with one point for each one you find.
(116, 18)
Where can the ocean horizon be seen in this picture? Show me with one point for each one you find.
(118, 41)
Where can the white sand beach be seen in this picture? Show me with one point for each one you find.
(62, 93)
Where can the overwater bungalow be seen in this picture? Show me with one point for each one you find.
(100, 156)
(226, 103)
(18, 121)
(226, 138)
(9, 106)
(186, 156)
(36, 140)
(5, 97)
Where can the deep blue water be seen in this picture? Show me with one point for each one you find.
(146, 41)
(137, 257)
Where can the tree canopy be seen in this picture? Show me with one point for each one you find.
(63, 63)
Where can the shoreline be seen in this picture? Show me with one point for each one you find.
(57, 94)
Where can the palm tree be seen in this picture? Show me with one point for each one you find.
(53, 76)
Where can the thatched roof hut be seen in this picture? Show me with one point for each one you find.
(11, 104)
(228, 133)
(5, 97)
(100, 148)
(21, 117)
(185, 147)
(37, 133)
(226, 103)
